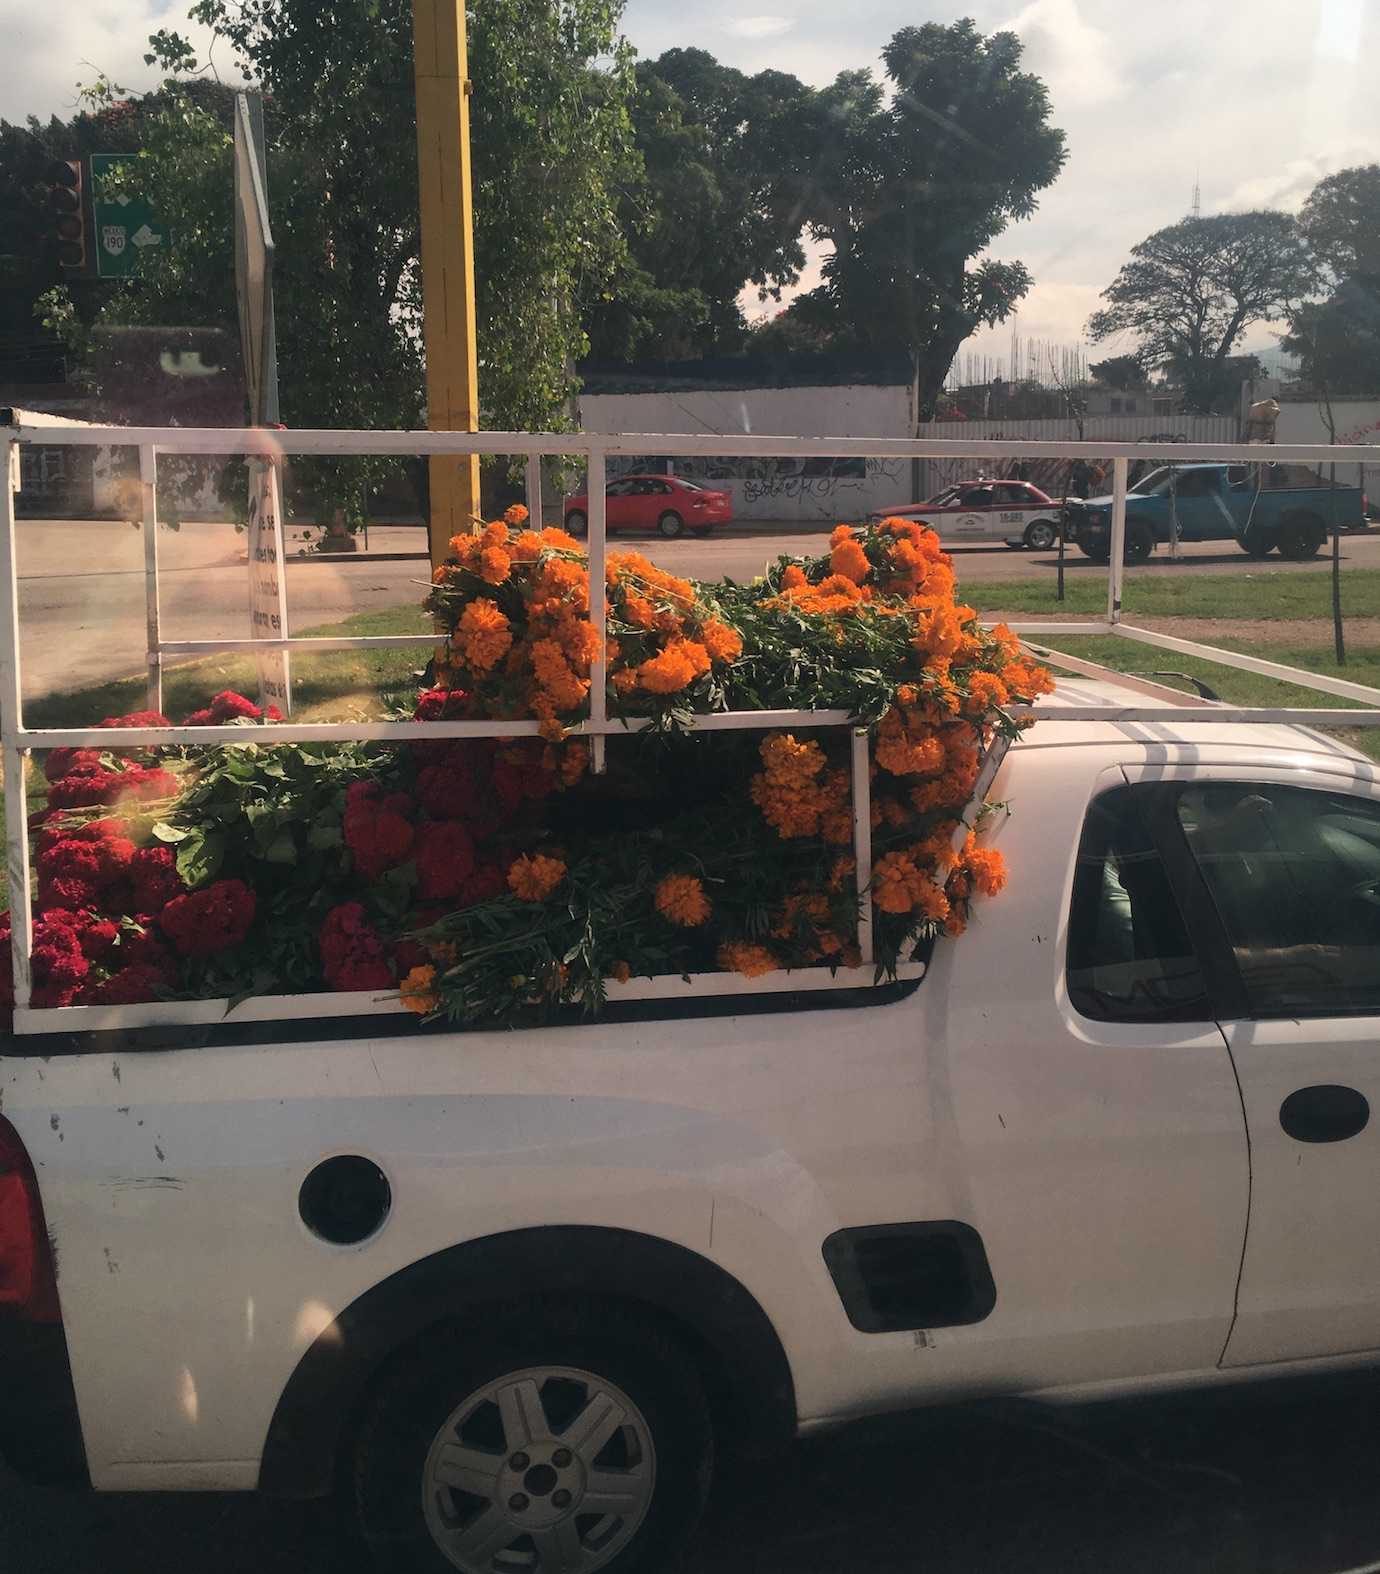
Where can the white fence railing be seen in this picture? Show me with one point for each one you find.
(20, 741)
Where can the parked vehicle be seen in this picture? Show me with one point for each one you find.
(1260, 507)
(506, 1291)
(1016, 512)
(667, 504)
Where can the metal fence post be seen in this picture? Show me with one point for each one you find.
(148, 486)
(12, 718)
(1117, 566)
(534, 519)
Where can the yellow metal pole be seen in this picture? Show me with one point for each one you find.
(447, 234)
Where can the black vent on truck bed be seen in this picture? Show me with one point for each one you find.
(892, 1277)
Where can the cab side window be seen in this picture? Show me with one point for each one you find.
(1294, 874)
(1129, 955)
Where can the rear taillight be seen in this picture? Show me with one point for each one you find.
(28, 1285)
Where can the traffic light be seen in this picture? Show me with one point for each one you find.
(65, 199)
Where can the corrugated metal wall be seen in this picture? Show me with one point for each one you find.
(1052, 474)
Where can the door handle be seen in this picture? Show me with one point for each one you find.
(1324, 1113)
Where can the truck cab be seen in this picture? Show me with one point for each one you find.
(1260, 507)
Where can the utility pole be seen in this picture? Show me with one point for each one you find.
(447, 236)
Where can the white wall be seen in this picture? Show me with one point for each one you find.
(774, 489)
(1358, 421)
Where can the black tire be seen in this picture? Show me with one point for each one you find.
(1255, 543)
(1300, 536)
(1041, 534)
(670, 524)
(576, 523)
(420, 1392)
(1140, 541)
(1099, 554)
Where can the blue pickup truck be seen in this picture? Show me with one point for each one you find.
(1260, 507)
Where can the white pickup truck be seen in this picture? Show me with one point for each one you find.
(505, 1291)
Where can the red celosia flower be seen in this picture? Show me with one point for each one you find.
(81, 789)
(132, 985)
(200, 718)
(202, 923)
(377, 830)
(145, 782)
(487, 882)
(153, 872)
(353, 955)
(445, 859)
(70, 859)
(63, 762)
(98, 938)
(146, 948)
(445, 791)
(228, 706)
(138, 718)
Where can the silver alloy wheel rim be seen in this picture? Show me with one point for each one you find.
(548, 1470)
(1042, 537)
(675, 529)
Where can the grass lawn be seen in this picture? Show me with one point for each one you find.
(1256, 592)
(1244, 688)
(333, 685)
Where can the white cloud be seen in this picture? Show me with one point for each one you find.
(1288, 185)
(1080, 63)
(50, 49)
(760, 26)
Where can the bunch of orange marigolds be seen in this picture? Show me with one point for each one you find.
(515, 604)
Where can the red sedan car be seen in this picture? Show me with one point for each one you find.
(664, 503)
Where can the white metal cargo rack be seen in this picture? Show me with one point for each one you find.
(16, 428)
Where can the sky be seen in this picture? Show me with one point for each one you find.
(1259, 100)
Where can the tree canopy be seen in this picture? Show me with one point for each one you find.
(912, 187)
(1191, 290)
(1337, 340)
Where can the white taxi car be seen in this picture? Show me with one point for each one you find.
(1016, 512)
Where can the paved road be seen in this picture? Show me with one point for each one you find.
(1248, 1483)
(82, 583)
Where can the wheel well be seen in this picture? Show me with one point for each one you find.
(730, 1337)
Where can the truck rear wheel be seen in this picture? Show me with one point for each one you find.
(564, 1436)
(1300, 536)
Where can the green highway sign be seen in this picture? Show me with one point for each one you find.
(125, 226)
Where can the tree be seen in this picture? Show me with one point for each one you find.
(718, 206)
(911, 187)
(1124, 373)
(1191, 290)
(1337, 341)
(551, 143)
(1341, 222)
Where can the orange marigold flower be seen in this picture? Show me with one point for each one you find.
(987, 868)
(681, 899)
(482, 635)
(494, 565)
(553, 673)
(986, 692)
(440, 574)
(525, 547)
(494, 535)
(895, 882)
(625, 679)
(794, 577)
(849, 560)
(552, 537)
(417, 992)
(722, 642)
(515, 515)
(739, 956)
(621, 972)
(840, 533)
(680, 663)
(841, 871)
(534, 876)
(954, 925)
